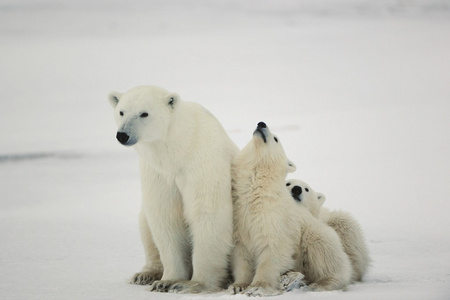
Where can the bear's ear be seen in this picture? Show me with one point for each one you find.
(291, 166)
(321, 197)
(173, 99)
(114, 98)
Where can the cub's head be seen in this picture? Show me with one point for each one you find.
(143, 114)
(265, 153)
(304, 195)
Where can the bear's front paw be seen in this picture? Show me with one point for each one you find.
(189, 287)
(259, 291)
(291, 280)
(145, 278)
(236, 288)
(161, 286)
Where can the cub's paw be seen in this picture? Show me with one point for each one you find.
(315, 287)
(190, 287)
(161, 286)
(145, 278)
(236, 288)
(291, 280)
(259, 291)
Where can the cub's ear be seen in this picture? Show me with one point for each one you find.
(114, 98)
(321, 197)
(172, 99)
(291, 167)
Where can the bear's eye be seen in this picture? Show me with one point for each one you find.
(276, 140)
(288, 184)
(144, 115)
(121, 113)
(306, 189)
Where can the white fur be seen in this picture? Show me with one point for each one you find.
(265, 234)
(186, 218)
(343, 223)
(321, 258)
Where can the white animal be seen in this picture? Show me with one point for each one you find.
(185, 159)
(273, 234)
(343, 223)
(266, 234)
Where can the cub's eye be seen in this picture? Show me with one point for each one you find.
(276, 140)
(144, 115)
(288, 184)
(306, 189)
(121, 113)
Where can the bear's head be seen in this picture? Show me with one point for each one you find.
(143, 114)
(265, 153)
(304, 195)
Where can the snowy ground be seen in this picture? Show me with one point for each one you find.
(358, 93)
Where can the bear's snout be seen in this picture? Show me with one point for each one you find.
(122, 137)
(296, 192)
(261, 130)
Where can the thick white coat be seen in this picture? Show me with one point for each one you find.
(345, 225)
(321, 258)
(186, 217)
(266, 234)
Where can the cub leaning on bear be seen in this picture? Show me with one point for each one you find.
(272, 234)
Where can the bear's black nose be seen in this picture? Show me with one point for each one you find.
(122, 137)
(296, 191)
(262, 125)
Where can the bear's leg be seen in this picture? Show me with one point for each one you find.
(330, 265)
(268, 271)
(153, 269)
(243, 269)
(209, 211)
(163, 209)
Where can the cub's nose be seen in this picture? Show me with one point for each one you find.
(262, 125)
(122, 137)
(296, 191)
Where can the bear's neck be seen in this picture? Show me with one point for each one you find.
(261, 179)
(158, 155)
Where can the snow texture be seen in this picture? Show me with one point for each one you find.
(358, 92)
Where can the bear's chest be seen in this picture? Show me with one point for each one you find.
(261, 219)
(159, 158)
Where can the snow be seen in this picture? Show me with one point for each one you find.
(357, 91)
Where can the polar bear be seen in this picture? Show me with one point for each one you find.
(265, 232)
(186, 220)
(321, 257)
(343, 223)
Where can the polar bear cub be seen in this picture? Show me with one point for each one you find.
(266, 234)
(186, 219)
(321, 257)
(343, 223)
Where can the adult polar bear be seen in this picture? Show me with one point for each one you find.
(186, 218)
